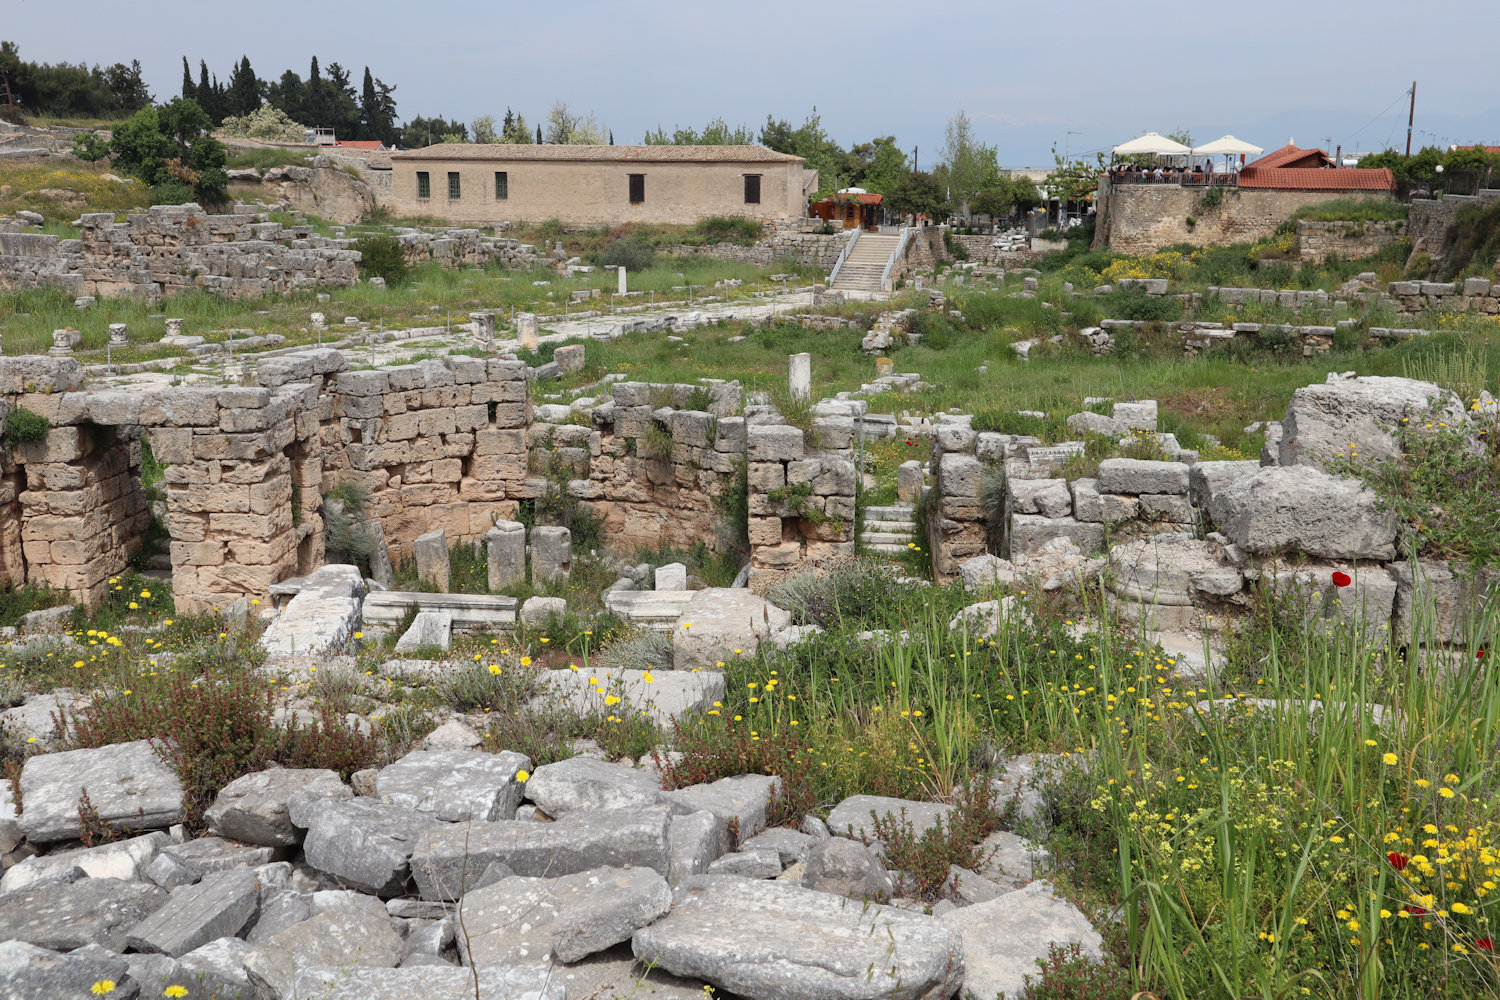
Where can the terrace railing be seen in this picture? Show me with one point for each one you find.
(885, 275)
(843, 256)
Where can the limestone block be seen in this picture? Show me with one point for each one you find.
(774, 443)
(551, 553)
(1358, 416)
(505, 546)
(431, 552)
(1301, 508)
(1133, 477)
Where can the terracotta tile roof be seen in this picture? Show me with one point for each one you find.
(1492, 150)
(1291, 156)
(1318, 179)
(868, 198)
(666, 154)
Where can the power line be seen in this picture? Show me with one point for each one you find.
(1377, 118)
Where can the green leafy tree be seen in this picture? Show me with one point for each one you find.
(210, 94)
(141, 147)
(810, 142)
(884, 164)
(377, 110)
(243, 94)
(516, 131)
(972, 166)
(483, 129)
(1072, 180)
(287, 96)
(918, 193)
(422, 131)
(717, 132)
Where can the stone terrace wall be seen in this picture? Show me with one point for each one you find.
(177, 248)
(806, 249)
(1433, 222)
(1143, 218)
(1317, 241)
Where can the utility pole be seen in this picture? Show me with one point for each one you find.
(1411, 116)
(1068, 145)
(914, 159)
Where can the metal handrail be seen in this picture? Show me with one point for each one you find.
(885, 276)
(833, 275)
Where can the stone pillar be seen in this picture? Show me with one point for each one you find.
(174, 328)
(62, 344)
(569, 358)
(381, 570)
(884, 366)
(551, 554)
(624, 281)
(506, 546)
(672, 576)
(431, 551)
(526, 330)
(483, 324)
(117, 334)
(799, 378)
(909, 481)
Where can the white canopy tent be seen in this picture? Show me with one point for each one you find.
(1152, 143)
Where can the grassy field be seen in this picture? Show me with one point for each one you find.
(79, 180)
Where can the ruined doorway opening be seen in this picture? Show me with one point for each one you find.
(153, 560)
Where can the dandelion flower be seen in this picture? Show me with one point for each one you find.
(1390, 758)
(522, 775)
(175, 991)
(102, 987)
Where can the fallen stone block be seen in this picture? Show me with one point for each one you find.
(129, 785)
(743, 801)
(778, 941)
(455, 785)
(428, 983)
(1004, 938)
(586, 783)
(219, 906)
(253, 807)
(125, 859)
(64, 914)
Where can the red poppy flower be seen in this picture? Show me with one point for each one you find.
(1480, 654)
(1341, 579)
(1484, 943)
(1397, 860)
(1416, 911)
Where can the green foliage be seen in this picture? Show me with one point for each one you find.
(382, 256)
(728, 229)
(1353, 210)
(992, 496)
(213, 730)
(1068, 974)
(632, 253)
(918, 193)
(346, 538)
(1477, 240)
(15, 602)
(90, 148)
(1134, 303)
(717, 132)
(23, 425)
(1463, 372)
(1444, 489)
(928, 856)
(733, 507)
(171, 193)
(852, 591)
(68, 90)
(955, 249)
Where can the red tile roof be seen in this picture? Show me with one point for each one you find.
(1319, 179)
(1492, 150)
(358, 144)
(868, 198)
(1291, 156)
(1291, 168)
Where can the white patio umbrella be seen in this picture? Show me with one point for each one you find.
(1151, 143)
(1227, 146)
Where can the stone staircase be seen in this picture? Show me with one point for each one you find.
(865, 264)
(887, 530)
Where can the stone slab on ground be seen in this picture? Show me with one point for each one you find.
(778, 941)
(467, 611)
(1303, 509)
(446, 858)
(63, 915)
(1004, 937)
(323, 616)
(1324, 422)
(28, 972)
(362, 842)
(614, 972)
(650, 608)
(580, 783)
(743, 800)
(855, 812)
(219, 906)
(538, 921)
(455, 785)
(124, 859)
(129, 785)
(428, 983)
(429, 629)
(253, 807)
(720, 620)
(663, 694)
(345, 938)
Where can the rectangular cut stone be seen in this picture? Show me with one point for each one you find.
(196, 914)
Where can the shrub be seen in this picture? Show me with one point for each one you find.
(90, 148)
(727, 229)
(632, 253)
(266, 122)
(1068, 974)
(171, 192)
(23, 425)
(212, 731)
(346, 539)
(850, 590)
(927, 856)
(382, 256)
(1134, 303)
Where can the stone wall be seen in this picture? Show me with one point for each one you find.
(1317, 241)
(806, 249)
(177, 248)
(1143, 218)
(1433, 222)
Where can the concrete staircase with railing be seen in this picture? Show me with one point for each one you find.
(863, 268)
(888, 530)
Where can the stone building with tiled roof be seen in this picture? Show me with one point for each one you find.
(597, 185)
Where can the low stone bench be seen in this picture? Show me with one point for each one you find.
(469, 611)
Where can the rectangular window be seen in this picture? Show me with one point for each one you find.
(637, 189)
(424, 184)
(752, 189)
(453, 192)
(502, 185)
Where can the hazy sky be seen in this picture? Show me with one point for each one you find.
(1027, 74)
